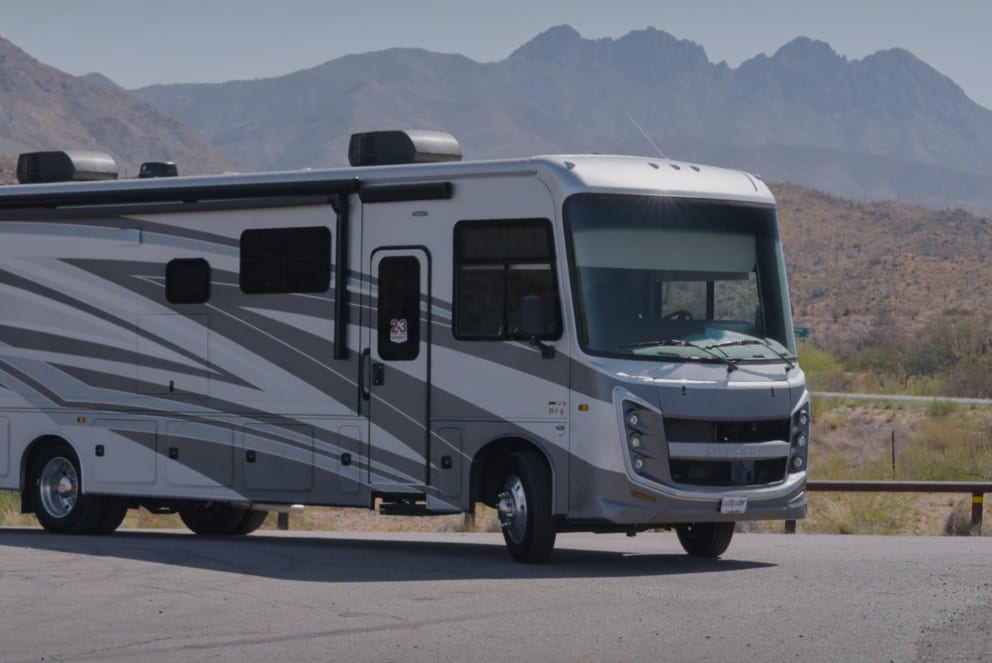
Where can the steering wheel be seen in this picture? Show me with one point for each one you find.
(680, 314)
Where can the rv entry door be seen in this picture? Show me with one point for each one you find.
(394, 378)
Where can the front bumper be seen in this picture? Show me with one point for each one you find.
(623, 502)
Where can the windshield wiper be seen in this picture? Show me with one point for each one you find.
(755, 341)
(678, 342)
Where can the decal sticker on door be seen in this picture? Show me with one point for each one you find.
(398, 330)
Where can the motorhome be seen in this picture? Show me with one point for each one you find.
(581, 342)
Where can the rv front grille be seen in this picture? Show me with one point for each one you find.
(724, 472)
(699, 430)
(728, 473)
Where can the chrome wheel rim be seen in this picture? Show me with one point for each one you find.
(513, 509)
(58, 487)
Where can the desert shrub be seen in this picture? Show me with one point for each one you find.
(948, 448)
(959, 520)
(824, 371)
(938, 409)
(950, 355)
(969, 379)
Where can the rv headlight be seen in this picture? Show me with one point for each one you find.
(798, 463)
(803, 418)
(801, 439)
(643, 437)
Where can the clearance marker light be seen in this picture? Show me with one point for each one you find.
(583, 407)
(80, 420)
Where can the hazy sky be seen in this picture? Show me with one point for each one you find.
(141, 42)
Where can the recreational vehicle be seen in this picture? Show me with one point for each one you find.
(582, 342)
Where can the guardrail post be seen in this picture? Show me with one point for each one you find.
(977, 502)
(282, 522)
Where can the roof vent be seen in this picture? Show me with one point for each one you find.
(158, 169)
(382, 148)
(77, 165)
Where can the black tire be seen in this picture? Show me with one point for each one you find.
(525, 508)
(114, 511)
(214, 518)
(252, 521)
(705, 539)
(59, 503)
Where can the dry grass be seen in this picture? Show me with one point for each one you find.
(861, 514)
(10, 510)
(853, 440)
(366, 520)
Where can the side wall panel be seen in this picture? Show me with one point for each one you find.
(4, 446)
(166, 391)
(123, 452)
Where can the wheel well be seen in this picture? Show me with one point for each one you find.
(28, 461)
(489, 464)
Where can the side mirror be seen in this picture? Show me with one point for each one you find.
(533, 320)
(534, 323)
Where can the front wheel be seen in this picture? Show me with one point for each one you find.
(59, 502)
(525, 508)
(705, 539)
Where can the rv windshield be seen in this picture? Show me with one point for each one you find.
(678, 279)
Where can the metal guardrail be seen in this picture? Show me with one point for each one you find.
(976, 488)
(899, 398)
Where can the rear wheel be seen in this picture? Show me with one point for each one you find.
(252, 521)
(525, 508)
(60, 504)
(220, 519)
(705, 539)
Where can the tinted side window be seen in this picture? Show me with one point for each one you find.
(283, 260)
(187, 281)
(496, 264)
(399, 308)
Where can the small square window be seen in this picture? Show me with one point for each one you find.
(285, 260)
(187, 281)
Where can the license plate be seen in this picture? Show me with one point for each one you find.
(733, 505)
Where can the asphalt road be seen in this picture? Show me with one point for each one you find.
(138, 596)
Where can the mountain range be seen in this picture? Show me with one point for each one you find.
(887, 126)
(42, 108)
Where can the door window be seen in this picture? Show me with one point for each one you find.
(399, 308)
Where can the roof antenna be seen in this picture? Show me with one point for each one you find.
(646, 136)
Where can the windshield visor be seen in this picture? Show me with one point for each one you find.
(675, 278)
